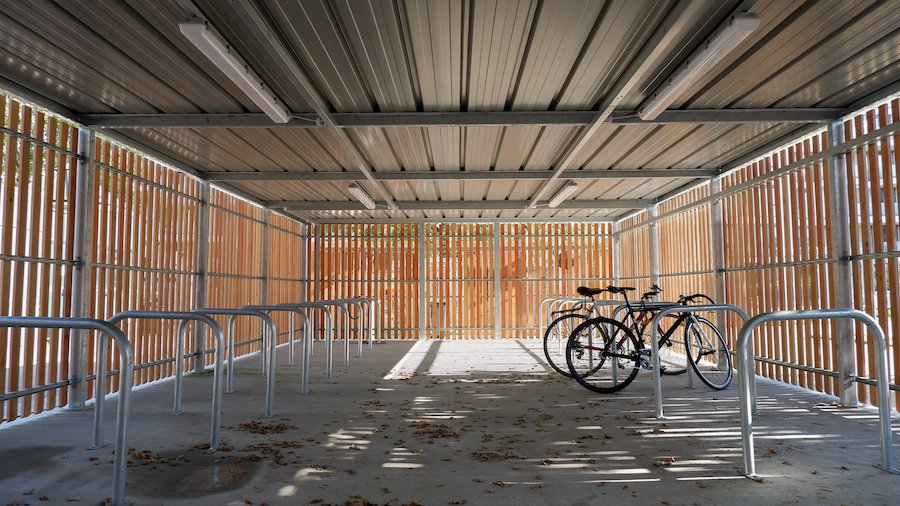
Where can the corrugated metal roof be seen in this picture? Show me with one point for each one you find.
(107, 56)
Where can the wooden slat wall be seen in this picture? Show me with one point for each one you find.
(634, 247)
(285, 278)
(37, 185)
(685, 261)
(145, 251)
(459, 266)
(873, 176)
(778, 251)
(766, 227)
(541, 260)
(235, 262)
(370, 260)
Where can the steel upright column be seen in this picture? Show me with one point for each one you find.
(717, 246)
(304, 262)
(840, 239)
(653, 244)
(202, 273)
(498, 303)
(83, 253)
(423, 284)
(264, 266)
(264, 289)
(616, 255)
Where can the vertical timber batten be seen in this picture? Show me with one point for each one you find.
(304, 261)
(843, 284)
(83, 254)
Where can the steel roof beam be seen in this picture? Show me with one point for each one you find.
(456, 205)
(459, 119)
(457, 176)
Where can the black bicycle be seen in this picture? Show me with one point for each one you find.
(605, 355)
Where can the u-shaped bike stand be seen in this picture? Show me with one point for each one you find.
(747, 382)
(126, 375)
(654, 344)
(269, 358)
(183, 317)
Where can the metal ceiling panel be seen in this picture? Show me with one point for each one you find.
(438, 38)
(696, 23)
(743, 139)
(480, 148)
(313, 31)
(616, 38)
(550, 145)
(188, 146)
(409, 146)
(499, 35)
(376, 40)
(559, 33)
(789, 32)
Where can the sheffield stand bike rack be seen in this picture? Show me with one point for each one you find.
(654, 344)
(268, 358)
(747, 382)
(358, 303)
(372, 307)
(126, 375)
(291, 310)
(183, 317)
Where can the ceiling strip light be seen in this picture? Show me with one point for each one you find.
(361, 195)
(564, 193)
(738, 28)
(223, 56)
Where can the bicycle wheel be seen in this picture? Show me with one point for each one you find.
(603, 355)
(555, 339)
(709, 353)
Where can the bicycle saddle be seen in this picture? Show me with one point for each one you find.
(589, 292)
(619, 289)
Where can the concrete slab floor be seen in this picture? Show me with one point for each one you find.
(453, 422)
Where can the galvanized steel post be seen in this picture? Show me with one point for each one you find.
(423, 285)
(653, 245)
(81, 276)
(616, 255)
(202, 273)
(840, 239)
(717, 247)
(498, 303)
(264, 287)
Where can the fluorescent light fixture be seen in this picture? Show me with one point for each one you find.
(223, 56)
(567, 190)
(361, 196)
(732, 33)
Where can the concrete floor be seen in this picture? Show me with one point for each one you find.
(454, 422)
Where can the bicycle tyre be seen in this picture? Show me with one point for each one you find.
(718, 372)
(610, 373)
(555, 338)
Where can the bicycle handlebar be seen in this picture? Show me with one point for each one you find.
(686, 299)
